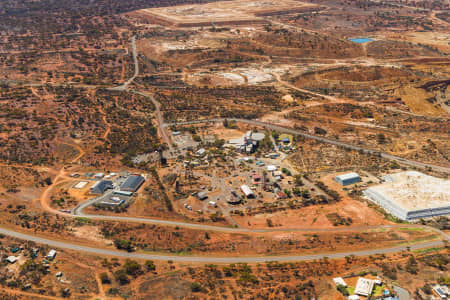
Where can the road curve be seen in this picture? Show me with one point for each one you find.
(125, 85)
(159, 118)
(211, 259)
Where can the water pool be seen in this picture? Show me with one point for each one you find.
(361, 40)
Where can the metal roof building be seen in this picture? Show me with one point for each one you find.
(247, 191)
(271, 168)
(132, 183)
(339, 281)
(99, 175)
(101, 186)
(123, 193)
(254, 136)
(412, 195)
(51, 254)
(202, 195)
(346, 179)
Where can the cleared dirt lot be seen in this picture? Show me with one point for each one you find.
(227, 12)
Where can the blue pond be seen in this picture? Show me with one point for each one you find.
(361, 40)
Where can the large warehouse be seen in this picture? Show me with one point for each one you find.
(101, 186)
(132, 183)
(412, 195)
(346, 179)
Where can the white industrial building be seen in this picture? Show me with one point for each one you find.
(364, 287)
(271, 168)
(247, 191)
(248, 142)
(412, 195)
(339, 281)
(81, 184)
(346, 179)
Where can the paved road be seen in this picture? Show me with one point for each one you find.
(78, 210)
(384, 155)
(124, 86)
(208, 259)
(159, 119)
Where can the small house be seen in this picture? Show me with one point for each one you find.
(99, 175)
(11, 259)
(202, 195)
(282, 195)
(51, 254)
(339, 281)
(200, 152)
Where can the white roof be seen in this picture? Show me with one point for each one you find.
(246, 190)
(11, 259)
(441, 290)
(340, 281)
(99, 174)
(201, 151)
(81, 184)
(51, 253)
(258, 136)
(95, 184)
(271, 168)
(348, 176)
(353, 297)
(412, 190)
(238, 141)
(364, 287)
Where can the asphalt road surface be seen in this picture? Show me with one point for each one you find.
(208, 259)
(124, 86)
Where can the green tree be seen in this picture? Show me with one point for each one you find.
(150, 265)
(196, 287)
